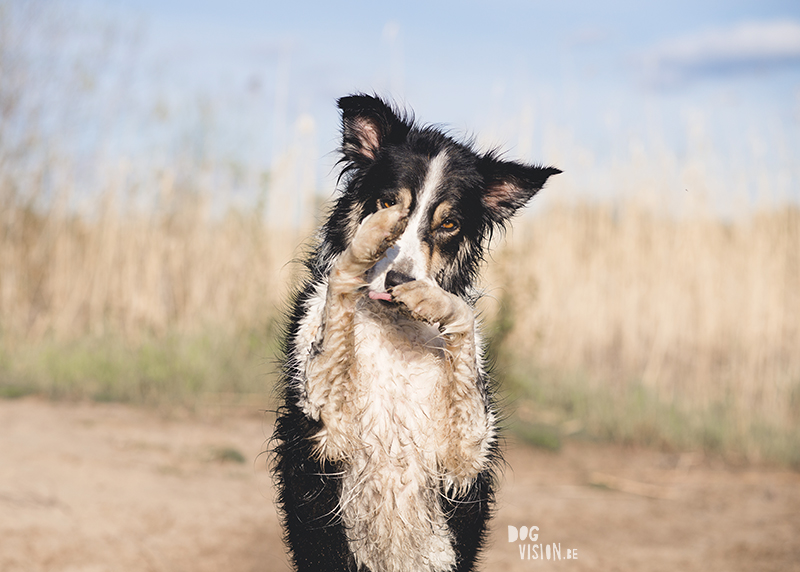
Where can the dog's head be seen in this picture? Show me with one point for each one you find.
(456, 197)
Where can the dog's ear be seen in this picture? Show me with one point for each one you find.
(509, 186)
(368, 124)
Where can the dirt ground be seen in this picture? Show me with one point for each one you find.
(108, 487)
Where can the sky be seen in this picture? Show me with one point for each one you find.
(588, 86)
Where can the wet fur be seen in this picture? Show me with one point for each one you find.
(386, 442)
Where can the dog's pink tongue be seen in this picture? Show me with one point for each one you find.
(380, 296)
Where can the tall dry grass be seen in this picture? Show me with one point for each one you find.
(623, 290)
(635, 324)
(133, 273)
(699, 310)
(699, 313)
(164, 305)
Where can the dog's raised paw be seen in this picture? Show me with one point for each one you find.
(377, 233)
(428, 302)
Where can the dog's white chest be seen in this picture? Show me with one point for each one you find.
(390, 490)
(399, 364)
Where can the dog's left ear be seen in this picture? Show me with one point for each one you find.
(368, 124)
(509, 186)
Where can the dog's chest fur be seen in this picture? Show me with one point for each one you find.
(389, 490)
(399, 363)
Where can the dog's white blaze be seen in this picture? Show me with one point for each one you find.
(407, 252)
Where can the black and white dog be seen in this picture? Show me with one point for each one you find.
(386, 443)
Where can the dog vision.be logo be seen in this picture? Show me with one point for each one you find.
(530, 549)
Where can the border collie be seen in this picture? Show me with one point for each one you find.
(386, 442)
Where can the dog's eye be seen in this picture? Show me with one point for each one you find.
(449, 224)
(386, 202)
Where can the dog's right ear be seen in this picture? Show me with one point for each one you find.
(368, 124)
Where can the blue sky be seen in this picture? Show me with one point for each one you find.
(549, 81)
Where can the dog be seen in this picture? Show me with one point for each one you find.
(386, 442)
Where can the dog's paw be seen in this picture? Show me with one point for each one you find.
(460, 471)
(376, 234)
(464, 462)
(428, 302)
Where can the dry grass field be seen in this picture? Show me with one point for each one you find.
(619, 323)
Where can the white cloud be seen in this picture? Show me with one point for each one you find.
(743, 48)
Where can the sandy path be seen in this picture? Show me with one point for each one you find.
(108, 487)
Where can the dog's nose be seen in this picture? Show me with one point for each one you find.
(393, 278)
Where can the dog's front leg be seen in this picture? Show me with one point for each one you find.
(330, 391)
(468, 426)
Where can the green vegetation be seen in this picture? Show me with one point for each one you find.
(549, 405)
(227, 455)
(171, 370)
